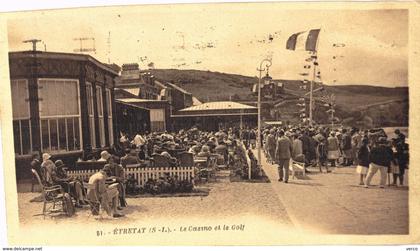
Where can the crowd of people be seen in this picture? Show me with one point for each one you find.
(107, 188)
(323, 147)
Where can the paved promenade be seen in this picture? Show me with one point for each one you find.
(334, 203)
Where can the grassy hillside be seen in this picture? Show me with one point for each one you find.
(379, 105)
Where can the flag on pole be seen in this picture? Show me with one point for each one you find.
(303, 40)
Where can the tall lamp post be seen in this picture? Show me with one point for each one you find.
(261, 69)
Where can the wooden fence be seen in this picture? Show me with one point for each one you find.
(142, 174)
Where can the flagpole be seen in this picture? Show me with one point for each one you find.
(315, 62)
(312, 91)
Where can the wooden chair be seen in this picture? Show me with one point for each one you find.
(220, 161)
(209, 171)
(61, 202)
(160, 161)
(186, 159)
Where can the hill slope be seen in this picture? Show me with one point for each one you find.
(354, 102)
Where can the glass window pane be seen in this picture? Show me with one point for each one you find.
(99, 100)
(16, 136)
(111, 131)
(62, 134)
(92, 132)
(58, 97)
(20, 102)
(26, 136)
(89, 99)
(70, 133)
(53, 135)
(102, 131)
(72, 99)
(76, 134)
(44, 135)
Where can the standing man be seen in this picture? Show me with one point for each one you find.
(283, 150)
(356, 143)
(271, 145)
(380, 158)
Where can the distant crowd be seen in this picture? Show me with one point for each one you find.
(368, 150)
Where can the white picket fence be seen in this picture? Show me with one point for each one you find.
(142, 174)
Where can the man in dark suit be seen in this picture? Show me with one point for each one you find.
(282, 155)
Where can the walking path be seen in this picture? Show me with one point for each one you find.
(334, 203)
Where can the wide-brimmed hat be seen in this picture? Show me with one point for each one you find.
(59, 163)
(105, 155)
(46, 156)
(382, 140)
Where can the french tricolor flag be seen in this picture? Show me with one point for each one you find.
(305, 41)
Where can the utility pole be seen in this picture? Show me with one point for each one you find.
(311, 92)
(34, 42)
(261, 69)
(109, 47)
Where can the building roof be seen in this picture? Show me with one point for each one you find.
(130, 105)
(196, 101)
(178, 88)
(139, 100)
(134, 91)
(220, 105)
(64, 55)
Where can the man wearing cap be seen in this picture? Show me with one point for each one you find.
(101, 194)
(380, 157)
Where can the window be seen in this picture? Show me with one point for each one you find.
(89, 96)
(109, 111)
(100, 105)
(157, 120)
(59, 115)
(22, 133)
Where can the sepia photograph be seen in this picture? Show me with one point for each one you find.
(209, 124)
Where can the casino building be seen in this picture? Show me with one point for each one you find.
(62, 104)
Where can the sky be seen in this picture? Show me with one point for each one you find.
(231, 38)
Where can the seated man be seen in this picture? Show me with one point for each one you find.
(205, 152)
(130, 157)
(172, 161)
(104, 156)
(73, 187)
(101, 194)
(116, 175)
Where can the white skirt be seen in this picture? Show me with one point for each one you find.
(333, 154)
(361, 169)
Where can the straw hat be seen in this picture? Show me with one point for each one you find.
(46, 156)
(105, 155)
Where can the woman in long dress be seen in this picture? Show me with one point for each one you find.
(333, 149)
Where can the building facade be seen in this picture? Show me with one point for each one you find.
(62, 103)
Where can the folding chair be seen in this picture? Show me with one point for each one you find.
(61, 201)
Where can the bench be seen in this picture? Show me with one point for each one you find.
(296, 166)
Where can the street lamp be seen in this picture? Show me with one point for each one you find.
(261, 69)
